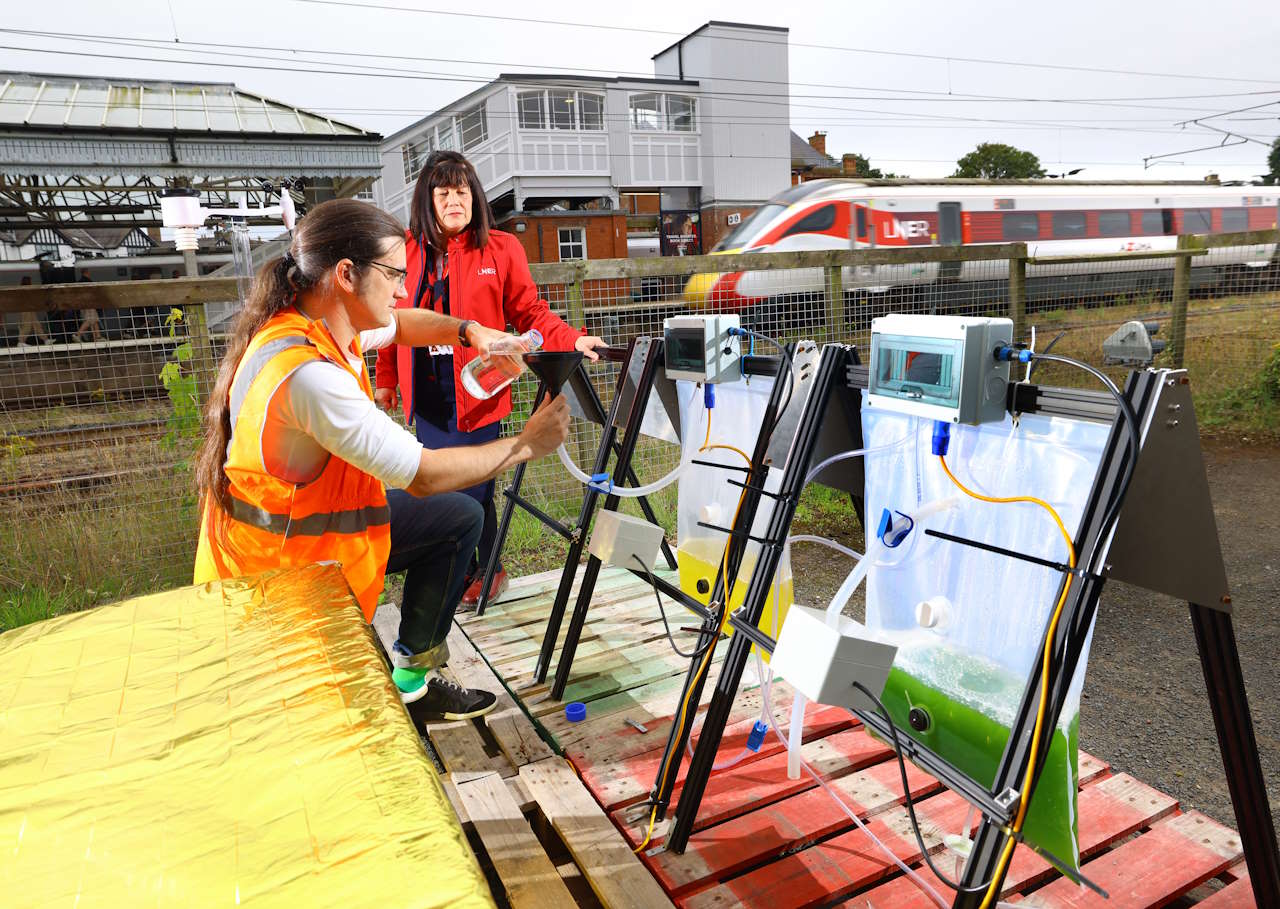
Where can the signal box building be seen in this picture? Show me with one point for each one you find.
(578, 165)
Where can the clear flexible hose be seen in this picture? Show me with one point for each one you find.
(625, 492)
(765, 683)
(832, 544)
(855, 453)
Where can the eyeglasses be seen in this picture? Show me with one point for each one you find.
(399, 275)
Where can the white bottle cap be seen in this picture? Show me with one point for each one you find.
(711, 513)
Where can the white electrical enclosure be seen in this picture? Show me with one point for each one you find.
(939, 367)
(619, 539)
(700, 348)
(822, 662)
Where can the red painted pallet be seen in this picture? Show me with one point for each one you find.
(763, 839)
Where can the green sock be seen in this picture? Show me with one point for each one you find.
(411, 679)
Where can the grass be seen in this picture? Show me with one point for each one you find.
(78, 549)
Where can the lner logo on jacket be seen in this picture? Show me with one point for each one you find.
(493, 286)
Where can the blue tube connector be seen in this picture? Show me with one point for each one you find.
(709, 395)
(1014, 354)
(941, 437)
(756, 738)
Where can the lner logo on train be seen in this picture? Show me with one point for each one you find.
(1053, 218)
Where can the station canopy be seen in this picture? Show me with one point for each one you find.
(84, 152)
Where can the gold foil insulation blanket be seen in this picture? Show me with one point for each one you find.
(235, 744)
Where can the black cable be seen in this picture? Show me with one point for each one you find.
(1131, 425)
(1031, 371)
(663, 612)
(906, 795)
(791, 379)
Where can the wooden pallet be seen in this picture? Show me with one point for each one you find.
(538, 833)
(762, 839)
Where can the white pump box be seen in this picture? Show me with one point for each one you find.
(619, 539)
(822, 662)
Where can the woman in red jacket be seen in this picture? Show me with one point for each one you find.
(460, 266)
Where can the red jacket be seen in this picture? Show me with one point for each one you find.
(492, 286)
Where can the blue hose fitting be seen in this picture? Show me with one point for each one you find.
(756, 738)
(709, 395)
(1014, 354)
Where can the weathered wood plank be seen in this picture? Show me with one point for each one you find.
(1236, 895)
(515, 734)
(527, 875)
(616, 876)
(1154, 869)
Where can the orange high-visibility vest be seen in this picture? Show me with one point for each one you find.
(338, 515)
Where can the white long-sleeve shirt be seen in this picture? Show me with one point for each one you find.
(322, 411)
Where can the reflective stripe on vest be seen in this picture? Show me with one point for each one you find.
(356, 520)
(254, 365)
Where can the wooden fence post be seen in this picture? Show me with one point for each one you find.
(1181, 293)
(837, 326)
(1018, 291)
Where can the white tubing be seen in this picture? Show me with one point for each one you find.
(626, 492)
(810, 538)
(796, 737)
(846, 455)
(773, 724)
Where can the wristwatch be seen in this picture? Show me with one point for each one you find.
(462, 331)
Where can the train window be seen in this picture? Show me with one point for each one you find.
(1197, 220)
(1022, 225)
(1153, 223)
(1114, 223)
(860, 222)
(1235, 220)
(1069, 224)
(817, 221)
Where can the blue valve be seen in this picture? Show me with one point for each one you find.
(601, 482)
(756, 738)
(941, 437)
(892, 533)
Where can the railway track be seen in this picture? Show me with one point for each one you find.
(39, 441)
(80, 482)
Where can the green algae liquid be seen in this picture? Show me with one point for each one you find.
(971, 702)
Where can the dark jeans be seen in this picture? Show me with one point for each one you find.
(432, 541)
(432, 436)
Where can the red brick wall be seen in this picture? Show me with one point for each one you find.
(605, 235)
(715, 226)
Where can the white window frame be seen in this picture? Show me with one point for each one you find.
(546, 111)
(469, 142)
(661, 117)
(566, 240)
(414, 155)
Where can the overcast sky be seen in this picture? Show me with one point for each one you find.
(852, 70)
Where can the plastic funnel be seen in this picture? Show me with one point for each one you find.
(553, 366)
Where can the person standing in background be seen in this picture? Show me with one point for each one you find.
(460, 266)
(89, 323)
(30, 324)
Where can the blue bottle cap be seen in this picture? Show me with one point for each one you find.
(575, 712)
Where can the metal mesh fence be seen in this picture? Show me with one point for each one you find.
(99, 422)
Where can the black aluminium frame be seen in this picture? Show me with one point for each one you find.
(640, 373)
(593, 410)
(1214, 635)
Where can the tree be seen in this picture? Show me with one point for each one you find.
(1273, 164)
(994, 161)
(864, 167)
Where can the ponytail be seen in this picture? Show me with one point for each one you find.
(332, 231)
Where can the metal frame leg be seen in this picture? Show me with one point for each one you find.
(1220, 661)
(626, 448)
(504, 525)
(831, 369)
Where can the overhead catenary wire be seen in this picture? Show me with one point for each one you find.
(742, 39)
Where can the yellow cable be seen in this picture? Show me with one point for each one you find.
(1025, 799)
(706, 657)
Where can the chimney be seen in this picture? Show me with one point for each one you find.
(849, 163)
(819, 141)
(1211, 178)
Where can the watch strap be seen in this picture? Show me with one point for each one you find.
(462, 331)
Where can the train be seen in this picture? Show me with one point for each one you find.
(1053, 217)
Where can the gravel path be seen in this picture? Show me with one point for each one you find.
(1145, 709)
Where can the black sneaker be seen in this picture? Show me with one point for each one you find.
(445, 700)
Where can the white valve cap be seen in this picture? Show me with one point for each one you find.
(711, 513)
(934, 612)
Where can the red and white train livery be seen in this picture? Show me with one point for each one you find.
(1053, 218)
